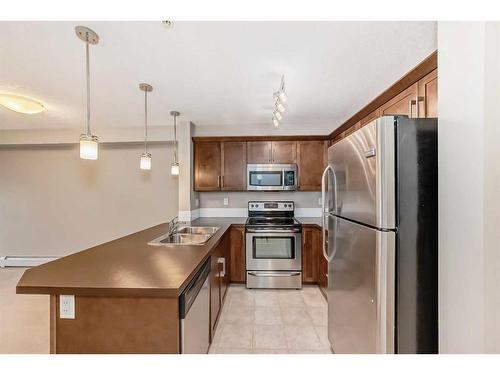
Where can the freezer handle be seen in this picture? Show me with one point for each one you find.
(324, 211)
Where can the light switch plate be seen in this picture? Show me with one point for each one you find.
(67, 307)
(319, 201)
(197, 202)
(226, 201)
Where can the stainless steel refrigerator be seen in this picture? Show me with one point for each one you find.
(380, 212)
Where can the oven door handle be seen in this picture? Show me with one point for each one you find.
(274, 231)
(269, 274)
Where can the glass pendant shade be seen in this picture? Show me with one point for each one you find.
(145, 161)
(174, 169)
(276, 123)
(88, 147)
(278, 115)
(280, 107)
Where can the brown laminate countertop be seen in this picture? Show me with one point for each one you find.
(127, 266)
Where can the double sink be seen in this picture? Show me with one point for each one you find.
(185, 236)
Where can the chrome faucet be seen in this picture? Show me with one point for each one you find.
(173, 225)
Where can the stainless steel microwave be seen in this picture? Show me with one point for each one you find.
(271, 177)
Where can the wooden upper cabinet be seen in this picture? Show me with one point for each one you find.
(262, 152)
(310, 163)
(405, 103)
(428, 94)
(234, 166)
(259, 152)
(284, 152)
(207, 166)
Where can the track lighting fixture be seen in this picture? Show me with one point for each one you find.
(280, 98)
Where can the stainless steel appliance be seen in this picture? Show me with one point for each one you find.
(194, 313)
(271, 177)
(273, 245)
(382, 238)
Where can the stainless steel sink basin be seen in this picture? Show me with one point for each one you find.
(198, 230)
(186, 236)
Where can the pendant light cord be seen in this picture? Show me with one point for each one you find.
(145, 121)
(175, 138)
(88, 82)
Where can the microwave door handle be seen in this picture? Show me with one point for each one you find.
(324, 211)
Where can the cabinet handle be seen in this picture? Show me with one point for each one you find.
(270, 155)
(218, 182)
(222, 181)
(223, 262)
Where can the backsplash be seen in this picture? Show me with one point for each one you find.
(306, 203)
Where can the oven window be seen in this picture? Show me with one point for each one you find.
(265, 178)
(273, 247)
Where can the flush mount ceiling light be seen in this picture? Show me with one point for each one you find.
(280, 98)
(21, 104)
(88, 141)
(168, 24)
(174, 169)
(145, 162)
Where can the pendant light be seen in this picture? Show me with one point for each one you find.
(174, 169)
(88, 141)
(145, 162)
(280, 98)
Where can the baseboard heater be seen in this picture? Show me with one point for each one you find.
(15, 261)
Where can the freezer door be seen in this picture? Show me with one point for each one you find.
(360, 288)
(364, 170)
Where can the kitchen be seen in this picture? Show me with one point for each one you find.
(202, 224)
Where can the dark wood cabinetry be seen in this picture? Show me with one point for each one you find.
(219, 279)
(405, 103)
(220, 166)
(234, 166)
(323, 272)
(310, 254)
(207, 166)
(237, 268)
(259, 152)
(310, 163)
(428, 91)
(262, 152)
(284, 152)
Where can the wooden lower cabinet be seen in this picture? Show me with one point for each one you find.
(322, 273)
(219, 280)
(237, 267)
(311, 237)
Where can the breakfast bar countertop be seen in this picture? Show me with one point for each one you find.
(127, 266)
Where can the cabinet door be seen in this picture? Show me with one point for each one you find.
(405, 103)
(259, 152)
(225, 259)
(428, 94)
(369, 118)
(284, 151)
(207, 167)
(215, 300)
(234, 166)
(323, 272)
(310, 162)
(237, 270)
(310, 257)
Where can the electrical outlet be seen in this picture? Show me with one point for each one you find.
(67, 307)
(197, 202)
(320, 202)
(226, 201)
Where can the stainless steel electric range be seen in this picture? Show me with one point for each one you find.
(273, 245)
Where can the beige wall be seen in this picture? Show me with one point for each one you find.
(469, 175)
(53, 203)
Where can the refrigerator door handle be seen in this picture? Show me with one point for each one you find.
(324, 212)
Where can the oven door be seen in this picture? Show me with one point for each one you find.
(273, 251)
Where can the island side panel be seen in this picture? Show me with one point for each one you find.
(117, 325)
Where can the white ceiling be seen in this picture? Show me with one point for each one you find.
(214, 73)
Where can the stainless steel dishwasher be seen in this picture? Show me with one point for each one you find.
(194, 306)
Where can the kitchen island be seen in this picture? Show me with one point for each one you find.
(126, 291)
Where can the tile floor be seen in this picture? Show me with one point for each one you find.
(264, 321)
